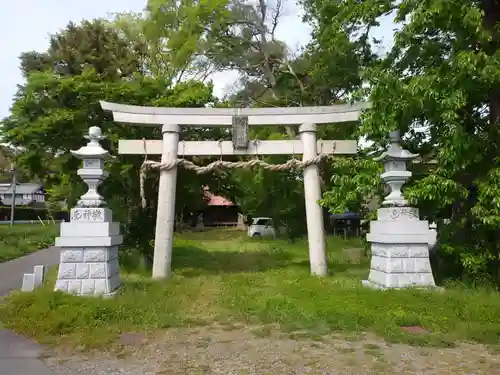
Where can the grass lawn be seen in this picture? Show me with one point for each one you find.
(225, 278)
(22, 239)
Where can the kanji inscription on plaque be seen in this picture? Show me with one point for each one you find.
(87, 215)
(240, 132)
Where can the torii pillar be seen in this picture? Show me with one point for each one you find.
(165, 214)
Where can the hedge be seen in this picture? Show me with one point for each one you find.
(32, 213)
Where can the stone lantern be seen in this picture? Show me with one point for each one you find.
(89, 242)
(399, 239)
(395, 174)
(92, 173)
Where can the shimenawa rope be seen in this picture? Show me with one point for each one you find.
(291, 164)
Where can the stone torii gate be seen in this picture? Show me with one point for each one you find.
(172, 119)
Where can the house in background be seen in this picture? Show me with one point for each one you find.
(219, 211)
(28, 194)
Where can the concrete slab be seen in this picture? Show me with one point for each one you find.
(23, 366)
(14, 346)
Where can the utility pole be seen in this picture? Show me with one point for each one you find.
(14, 184)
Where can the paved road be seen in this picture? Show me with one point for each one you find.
(11, 273)
(18, 355)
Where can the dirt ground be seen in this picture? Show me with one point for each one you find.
(251, 351)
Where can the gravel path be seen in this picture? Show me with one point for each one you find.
(242, 350)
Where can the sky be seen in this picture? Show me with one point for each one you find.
(25, 25)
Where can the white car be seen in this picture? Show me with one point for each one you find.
(261, 227)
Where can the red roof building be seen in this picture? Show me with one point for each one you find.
(216, 200)
(219, 211)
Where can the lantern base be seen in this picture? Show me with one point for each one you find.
(89, 253)
(400, 250)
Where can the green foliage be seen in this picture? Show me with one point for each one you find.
(54, 109)
(187, 27)
(5, 163)
(439, 85)
(34, 213)
(76, 48)
(354, 183)
(241, 36)
(22, 239)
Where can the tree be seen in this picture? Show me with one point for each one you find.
(241, 35)
(55, 107)
(5, 162)
(215, 36)
(439, 86)
(45, 112)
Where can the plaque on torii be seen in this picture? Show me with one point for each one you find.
(240, 131)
